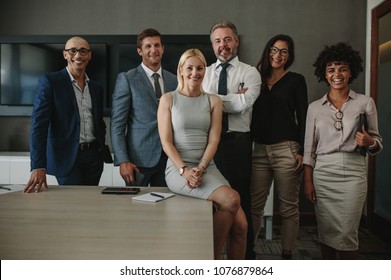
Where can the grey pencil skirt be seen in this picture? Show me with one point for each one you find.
(340, 182)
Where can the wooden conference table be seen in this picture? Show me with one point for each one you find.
(78, 223)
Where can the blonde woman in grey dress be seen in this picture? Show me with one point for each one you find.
(189, 122)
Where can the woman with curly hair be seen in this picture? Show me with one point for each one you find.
(335, 173)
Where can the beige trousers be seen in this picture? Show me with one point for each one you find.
(276, 163)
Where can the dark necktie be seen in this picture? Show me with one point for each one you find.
(223, 91)
(158, 90)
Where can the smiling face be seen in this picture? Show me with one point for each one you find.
(278, 54)
(192, 72)
(76, 62)
(151, 52)
(338, 75)
(225, 43)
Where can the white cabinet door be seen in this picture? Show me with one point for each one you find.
(20, 169)
(117, 179)
(4, 170)
(107, 176)
(269, 202)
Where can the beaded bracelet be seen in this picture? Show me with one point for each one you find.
(203, 168)
(207, 161)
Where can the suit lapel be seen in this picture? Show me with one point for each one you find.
(165, 81)
(69, 91)
(91, 87)
(146, 83)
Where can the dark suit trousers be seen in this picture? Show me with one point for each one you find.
(233, 159)
(153, 176)
(87, 169)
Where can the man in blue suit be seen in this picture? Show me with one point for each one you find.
(67, 127)
(134, 133)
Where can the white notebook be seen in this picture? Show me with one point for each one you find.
(153, 196)
(11, 188)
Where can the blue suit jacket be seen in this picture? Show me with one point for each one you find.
(55, 123)
(134, 112)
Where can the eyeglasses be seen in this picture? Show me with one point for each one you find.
(283, 52)
(74, 51)
(338, 122)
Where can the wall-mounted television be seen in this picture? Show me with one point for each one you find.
(22, 64)
(24, 58)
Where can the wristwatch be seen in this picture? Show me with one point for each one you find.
(182, 170)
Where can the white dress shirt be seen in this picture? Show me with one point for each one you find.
(239, 106)
(149, 73)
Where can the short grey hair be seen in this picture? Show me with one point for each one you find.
(224, 24)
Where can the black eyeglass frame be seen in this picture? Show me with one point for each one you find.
(338, 123)
(81, 51)
(283, 52)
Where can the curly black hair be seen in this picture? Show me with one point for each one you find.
(340, 52)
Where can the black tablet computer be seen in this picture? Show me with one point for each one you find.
(120, 190)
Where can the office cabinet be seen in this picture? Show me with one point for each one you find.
(15, 169)
(4, 170)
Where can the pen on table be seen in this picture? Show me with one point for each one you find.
(157, 195)
(5, 188)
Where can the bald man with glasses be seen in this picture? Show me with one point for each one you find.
(67, 136)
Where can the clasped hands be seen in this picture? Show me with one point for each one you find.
(193, 176)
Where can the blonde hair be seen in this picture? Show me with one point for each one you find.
(189, 53)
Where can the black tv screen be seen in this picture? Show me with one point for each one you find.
(22, 64)
(24, 58)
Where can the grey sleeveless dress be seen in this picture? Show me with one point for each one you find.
(191, 117)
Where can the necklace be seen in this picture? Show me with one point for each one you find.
(272, 83)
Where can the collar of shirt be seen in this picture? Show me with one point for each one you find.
(149, 72)
(234, 62)
(73, 79)
(352, 95)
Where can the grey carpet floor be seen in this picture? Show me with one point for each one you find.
(371, 247)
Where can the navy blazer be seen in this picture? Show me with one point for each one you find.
(55, 123)
(134, 132)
